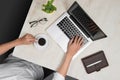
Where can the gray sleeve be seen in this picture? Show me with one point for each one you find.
(30, 70)
(35, 70)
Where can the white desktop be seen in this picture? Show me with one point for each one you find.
(104, 13)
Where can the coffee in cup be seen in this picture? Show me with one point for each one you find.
(41, 41)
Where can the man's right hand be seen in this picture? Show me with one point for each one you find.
(74, 45)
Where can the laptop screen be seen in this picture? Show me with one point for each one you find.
(84, 22)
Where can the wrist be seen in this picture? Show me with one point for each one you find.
(18, 42)
(68, 55)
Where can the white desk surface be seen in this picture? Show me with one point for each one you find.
(106, 13)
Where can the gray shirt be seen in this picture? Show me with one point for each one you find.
(14, 68)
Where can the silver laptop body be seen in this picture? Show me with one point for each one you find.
(60, 37)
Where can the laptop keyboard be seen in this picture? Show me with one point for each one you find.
(70, 29)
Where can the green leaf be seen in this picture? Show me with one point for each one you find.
(49, 7)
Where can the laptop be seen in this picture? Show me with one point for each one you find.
(75, 21)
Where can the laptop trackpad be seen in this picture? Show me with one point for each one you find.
(62, 40)
(59, 37)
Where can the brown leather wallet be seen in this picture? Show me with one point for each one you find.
(95, 62)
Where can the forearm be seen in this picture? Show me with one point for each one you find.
(73, 46)
(5, 47)
(64, 67)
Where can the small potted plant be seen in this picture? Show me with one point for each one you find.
(49, 7)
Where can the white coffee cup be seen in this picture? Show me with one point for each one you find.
(41, 42)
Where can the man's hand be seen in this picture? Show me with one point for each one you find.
(74, 45)
(26, 39)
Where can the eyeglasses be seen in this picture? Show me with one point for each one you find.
(36, 22)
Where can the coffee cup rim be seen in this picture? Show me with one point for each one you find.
(36, 44)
